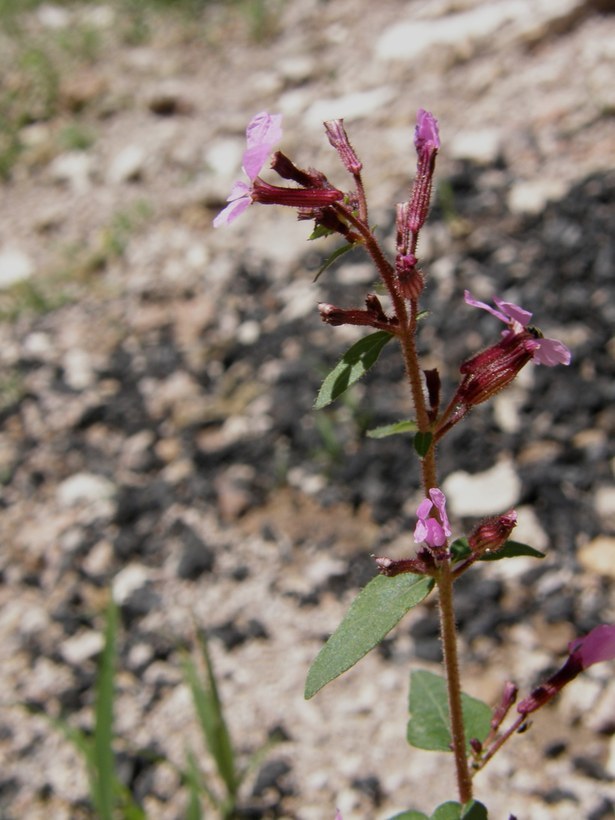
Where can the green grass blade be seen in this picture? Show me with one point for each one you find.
(103, 759)
(211, 719)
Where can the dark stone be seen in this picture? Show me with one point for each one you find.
(196, 557)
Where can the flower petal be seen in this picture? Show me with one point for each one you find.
(551, 352)
(598, 645)
(263, 132)
(439, 499)
(515, 312)
(234, 209)
(470, 300)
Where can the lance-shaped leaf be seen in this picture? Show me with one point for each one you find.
(353, 364)
(429, 725)
(460, 549)
(373, 613)
(405, 426)
(331, 259)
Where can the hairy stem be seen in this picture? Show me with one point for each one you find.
(451, 663)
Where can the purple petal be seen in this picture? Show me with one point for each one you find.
(470, 300)
(263, 132)
(598, 645)
(439, 499)
(420, 531)
(424, 509)
(426, 135)
(234, 209)
(513, 311)
(551, 352)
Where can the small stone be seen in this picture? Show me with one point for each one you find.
(79, 648)
(599, 556)
(15, 266)
(73, 168)
(196, 557)
(84, 488)
(128, 165)
(481, 147)
(532, 197)
(486, 493)
(132, 591)
(78, 369)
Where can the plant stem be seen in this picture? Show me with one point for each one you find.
(451, 664)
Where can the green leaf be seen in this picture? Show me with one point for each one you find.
(512, 549)
(428, 727)
(372, 614)
(422, 443)
(331, 259)
(353, 364)
(460, 550)
(409, 815)
(103, 759)
(405, 426)
(211, 718)
(474, 811)
(448, 811)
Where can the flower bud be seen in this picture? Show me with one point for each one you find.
(492, 533)
(339, 140)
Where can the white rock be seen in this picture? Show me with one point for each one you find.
(130, 580)
(351, 107)
(53, 17)
(15, 266)
(127, 166)
(599, 556)
(78, 369)
(481, 147)
(81, 647)
(84, 488)
(531, 197)
(74, 168)
(493, 491)
(408, 40)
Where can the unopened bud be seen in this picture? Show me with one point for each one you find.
(492, 533)
(339, 140)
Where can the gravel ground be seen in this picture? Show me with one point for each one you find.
(158, 439)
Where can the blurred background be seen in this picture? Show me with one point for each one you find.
(158, 441)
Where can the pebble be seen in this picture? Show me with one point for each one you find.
(79, 648)
(75, 169)
(128, 165)
(599, 556)
(488, 493)
(84, 488)
(15, 266)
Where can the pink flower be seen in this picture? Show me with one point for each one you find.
(426, 135)
(428, 529)
(546, 351)
(263, 132)
(598, 645)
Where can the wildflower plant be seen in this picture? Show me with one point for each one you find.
(441, 716)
